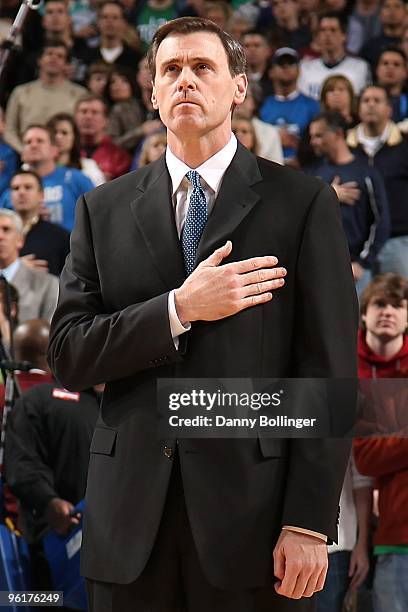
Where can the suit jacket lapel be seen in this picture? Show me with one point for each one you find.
(155, 217)
(235, 200)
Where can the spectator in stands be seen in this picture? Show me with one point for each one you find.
(68, 143)
(153, 147)
(257, 52)
(37, 101)
(126, 117)
(112, 47)
(393, 19)
(269, 141)
(98, 75)
(151, 15)
(47, 451)
(38, 291)
(57, 26)
(383, 352)
(378, 140)
(364, 24)
(348, 560)
(366, 221)
(392, 74)
(332, 40)
(338, 95)
(238, 25)
(42, 239)
(92, 120)
(62, 185)
(289, 31)
(245, 133)
(217, 11)
(8, 158)
(288, 109)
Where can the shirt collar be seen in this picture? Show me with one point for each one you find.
(292, 96)
(211, 171)
(10, 271)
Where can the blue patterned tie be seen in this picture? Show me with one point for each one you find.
(195, 221)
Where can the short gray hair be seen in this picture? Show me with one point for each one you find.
(18, 224)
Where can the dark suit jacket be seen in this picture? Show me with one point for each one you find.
(112, 325)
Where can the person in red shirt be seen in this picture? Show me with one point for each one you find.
(91, 119)
(383, 353)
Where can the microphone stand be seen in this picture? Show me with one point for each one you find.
(9, 44)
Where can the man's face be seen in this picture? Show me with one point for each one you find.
(285, 72)
(284, 9)
(53, 61)
(37, 147)
(26, 194)
(330, 36)
(193, 87)
(111, 23)
(391, 69)
(56, 17)
(384, 319)
(1, 122)
(256, 48)
(393, 12)
(374, 108)
(90, 118)
(316, 133)
(10, 242)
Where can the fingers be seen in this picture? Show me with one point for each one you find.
(263, 275)
(253, 264)
(255, 300)
(219, 254)
(259, 288)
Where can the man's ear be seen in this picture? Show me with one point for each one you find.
(154, 99)
(241, 85)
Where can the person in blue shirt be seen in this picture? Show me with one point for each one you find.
(8, 158)
(62, 186)
(366, 220)
(288, 109)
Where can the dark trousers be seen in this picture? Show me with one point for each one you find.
(173, 580)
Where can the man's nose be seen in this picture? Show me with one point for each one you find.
(186, 80)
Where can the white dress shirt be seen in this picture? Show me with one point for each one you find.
(211, 173)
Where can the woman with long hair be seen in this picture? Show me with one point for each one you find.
(68, 143)
(338, 95)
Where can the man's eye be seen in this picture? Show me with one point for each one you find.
(202, 67)
(171, 68)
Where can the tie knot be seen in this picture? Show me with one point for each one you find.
(194, 179)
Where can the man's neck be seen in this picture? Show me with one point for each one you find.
(54, 79)
(65, 37)
(333, 57)
(91, 140)
(43, 168)
(284, 89)
(394, 90)
(387, 350)
(7, 261)
(372, 130)
(258, 68)
(29, 218)
(394, 31)
(194, 150)
(367, 7)
(342, 155)
(110, 43)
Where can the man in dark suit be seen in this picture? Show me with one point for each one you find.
(204, 524)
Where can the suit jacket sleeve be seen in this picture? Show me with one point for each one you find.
(85, 341)
(324, 347)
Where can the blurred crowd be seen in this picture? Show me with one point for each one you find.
(327, 96)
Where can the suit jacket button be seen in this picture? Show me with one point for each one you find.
(168, 452)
